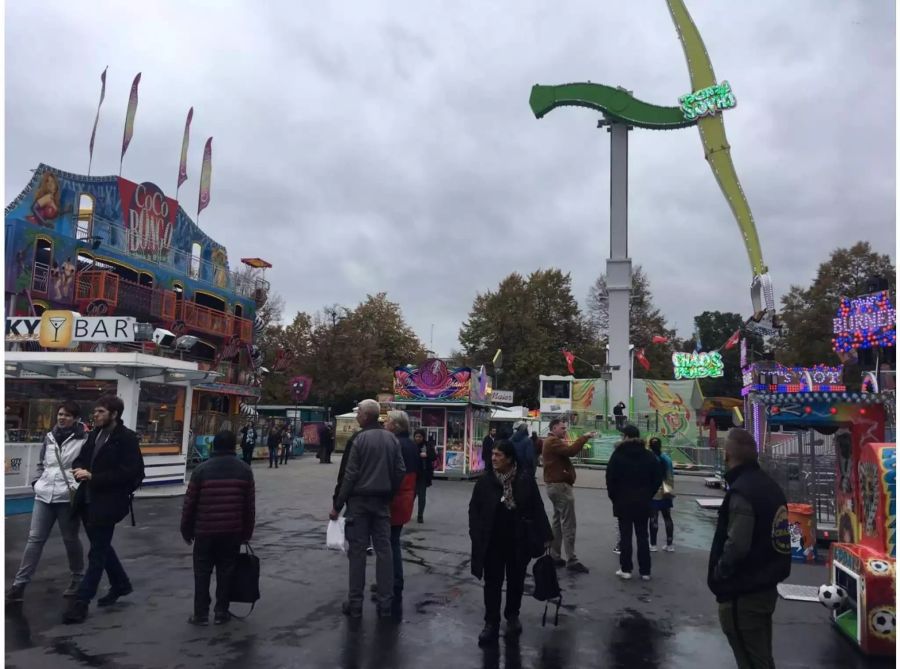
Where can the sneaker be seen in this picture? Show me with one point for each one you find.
(351, 611)
(113, 595)
(653, 548)
(489, 634)
(645, 577)
(577, 567)
(77, 612)
(370, 550)
(420, 519)
(74, 584)
(199, 621)
(669, 548)
(513, 627)
(16, 593)
(221, 617)
(624, 575)
(617, 550)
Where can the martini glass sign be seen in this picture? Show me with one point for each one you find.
(56, 322)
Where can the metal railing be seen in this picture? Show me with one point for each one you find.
(40, 278)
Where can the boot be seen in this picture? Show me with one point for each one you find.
(221, 617)
(113, 595)
(15, 594)
(489, 634)
(73, 587)
(199, 620)
(77, 612)
(513, 626)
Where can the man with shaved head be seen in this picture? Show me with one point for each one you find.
(374, 471)
(750, 555)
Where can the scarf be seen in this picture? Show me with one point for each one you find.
(506, 480)
(60, 434)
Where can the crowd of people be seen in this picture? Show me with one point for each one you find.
(88, 478)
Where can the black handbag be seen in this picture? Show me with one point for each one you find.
(546, 585)
(245, 580)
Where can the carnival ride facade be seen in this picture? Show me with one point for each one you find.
(106, 247)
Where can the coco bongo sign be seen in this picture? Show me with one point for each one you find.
(149, 218)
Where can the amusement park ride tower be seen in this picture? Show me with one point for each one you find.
(622, 112)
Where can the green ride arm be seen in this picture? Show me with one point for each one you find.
(712, 133)
(614, 103)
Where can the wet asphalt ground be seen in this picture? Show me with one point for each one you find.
(668, 622)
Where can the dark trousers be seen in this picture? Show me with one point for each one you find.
(421, 493)
(101, 557)
(654, 525)
(501, 559)
(747, 623)
(324, 454)
(248, 455)
(219, 551)
(397, 559)
(285, 454)
(635, 520)
(273, 456)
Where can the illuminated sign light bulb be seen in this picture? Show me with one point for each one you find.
(832, 410)
(807, 409)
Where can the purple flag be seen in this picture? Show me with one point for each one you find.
(97, 117)
(205, 176)
(182, 168)
(129, 117)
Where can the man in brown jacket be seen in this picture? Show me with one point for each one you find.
(559, 475)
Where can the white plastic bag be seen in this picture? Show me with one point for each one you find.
(334, 535)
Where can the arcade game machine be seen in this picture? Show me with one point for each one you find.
(862, 592)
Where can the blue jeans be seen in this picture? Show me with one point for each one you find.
(273, 456)
(398, 559)
(43, 517)
(101, 556)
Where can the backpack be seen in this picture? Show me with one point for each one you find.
(546, 585)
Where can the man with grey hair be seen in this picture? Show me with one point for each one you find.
(750, 554)
(373, 475)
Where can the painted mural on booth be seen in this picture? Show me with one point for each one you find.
(432, 381)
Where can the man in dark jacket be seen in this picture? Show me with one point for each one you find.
(326, 443)
(751, 553)
(373, 475)
(273, 442)
(110, 467)
(487, 448)
(524, 446)
(633, 476)
(218, 515)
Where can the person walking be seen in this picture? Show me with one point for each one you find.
(218, 515)
(662, 500)
(524, 446)
(397, 423)
(54, 488)
(633, 476)
(538, 447)
(427, 456)
(374, 472)
(750, 554)
(109, 468)
(248, 441)
(559, 475)
(487, 448)
(287, 441)
(619, 415)
(507, 527)
(274, 443)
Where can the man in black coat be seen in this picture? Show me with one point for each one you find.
(248, 441)
(633, 476)
(487, 447)
(750, 554)
(110, 467)
(218, 515)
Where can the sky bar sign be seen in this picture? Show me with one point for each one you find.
(60, 329)
(707, 101)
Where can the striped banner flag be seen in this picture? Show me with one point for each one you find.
(97, 118)
(205, 177)
(182, 168)
(129, 118)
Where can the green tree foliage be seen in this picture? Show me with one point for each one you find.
(714, 329)
(645, 320)
(531, 319)
(349, 353)
(807, 313)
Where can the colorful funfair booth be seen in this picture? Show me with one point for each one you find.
(453, 406)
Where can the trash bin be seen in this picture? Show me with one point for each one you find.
(803, 534)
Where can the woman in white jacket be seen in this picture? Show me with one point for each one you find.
(53, 489)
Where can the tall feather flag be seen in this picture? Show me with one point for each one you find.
(129, 119)
(97, 118)
(205, 177)
(182, 167)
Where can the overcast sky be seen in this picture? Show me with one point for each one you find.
(391, 147)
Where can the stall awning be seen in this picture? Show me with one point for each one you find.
(75, 365)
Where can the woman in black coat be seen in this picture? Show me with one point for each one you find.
(508, 526)
(427, 456)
